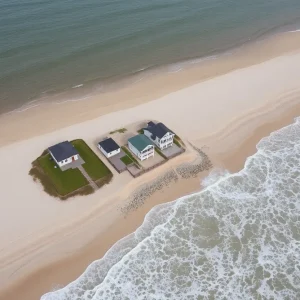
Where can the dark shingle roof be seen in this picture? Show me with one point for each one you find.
(140, 142)
(109, 145)
(157, 130)
(63, 150)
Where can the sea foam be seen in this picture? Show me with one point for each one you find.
(239, 238)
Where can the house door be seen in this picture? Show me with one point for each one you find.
(73, 158)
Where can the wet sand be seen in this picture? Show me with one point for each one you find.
(143, 89)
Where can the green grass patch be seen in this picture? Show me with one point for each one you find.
(178, 141)
(65, 184)
(131, 156)
(55, 181)
(126, 160)
(93, 164)
(120, 130)
(160, 153)
(141, 131)
(104, 180)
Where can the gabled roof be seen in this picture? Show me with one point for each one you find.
(109, 145)
(158, 130)
(140, 142)
(63, 151)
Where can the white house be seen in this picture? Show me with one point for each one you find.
(109, 147)
(141, 146)
(64, 154)
(160, 134)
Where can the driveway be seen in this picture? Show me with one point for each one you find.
(117, 162)
(172, 151)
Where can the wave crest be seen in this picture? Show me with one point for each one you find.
(239, 238)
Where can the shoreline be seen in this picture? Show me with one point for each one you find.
(140, 91)
(124, 81)
(120, 224)
(270, 96)
(68, 269)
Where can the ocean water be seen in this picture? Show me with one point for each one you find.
(239, 238)
(51, 46)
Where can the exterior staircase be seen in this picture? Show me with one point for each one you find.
(88, 178)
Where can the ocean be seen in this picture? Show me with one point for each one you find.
(52, 47)
(239, 238)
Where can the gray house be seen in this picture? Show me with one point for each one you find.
(159, 134)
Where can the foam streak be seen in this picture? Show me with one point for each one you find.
(239, 238)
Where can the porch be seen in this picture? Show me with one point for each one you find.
(73, 165)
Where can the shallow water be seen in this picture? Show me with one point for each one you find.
(51, 46)
(239, 238)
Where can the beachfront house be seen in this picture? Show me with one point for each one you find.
(141, 146)
(65, 155)
(109, 147)
(160, 134)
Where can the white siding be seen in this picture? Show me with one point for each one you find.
(65, 161)
(68, 160)
(110, 154)
(166, 141)
(149, 153)
(139, 154)
(163, 143)
(134, 150)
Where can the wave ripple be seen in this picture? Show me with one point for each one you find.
(237, 239)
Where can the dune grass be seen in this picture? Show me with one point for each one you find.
(120, 130)
(126, 160)
(178, 141)
(56, 182)
(131, 156)
(65, 184)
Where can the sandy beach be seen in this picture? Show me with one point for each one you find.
(224, 108)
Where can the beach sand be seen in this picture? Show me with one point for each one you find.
(55, 113)
(47, 243)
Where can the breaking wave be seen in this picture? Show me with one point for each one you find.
(239, 238)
